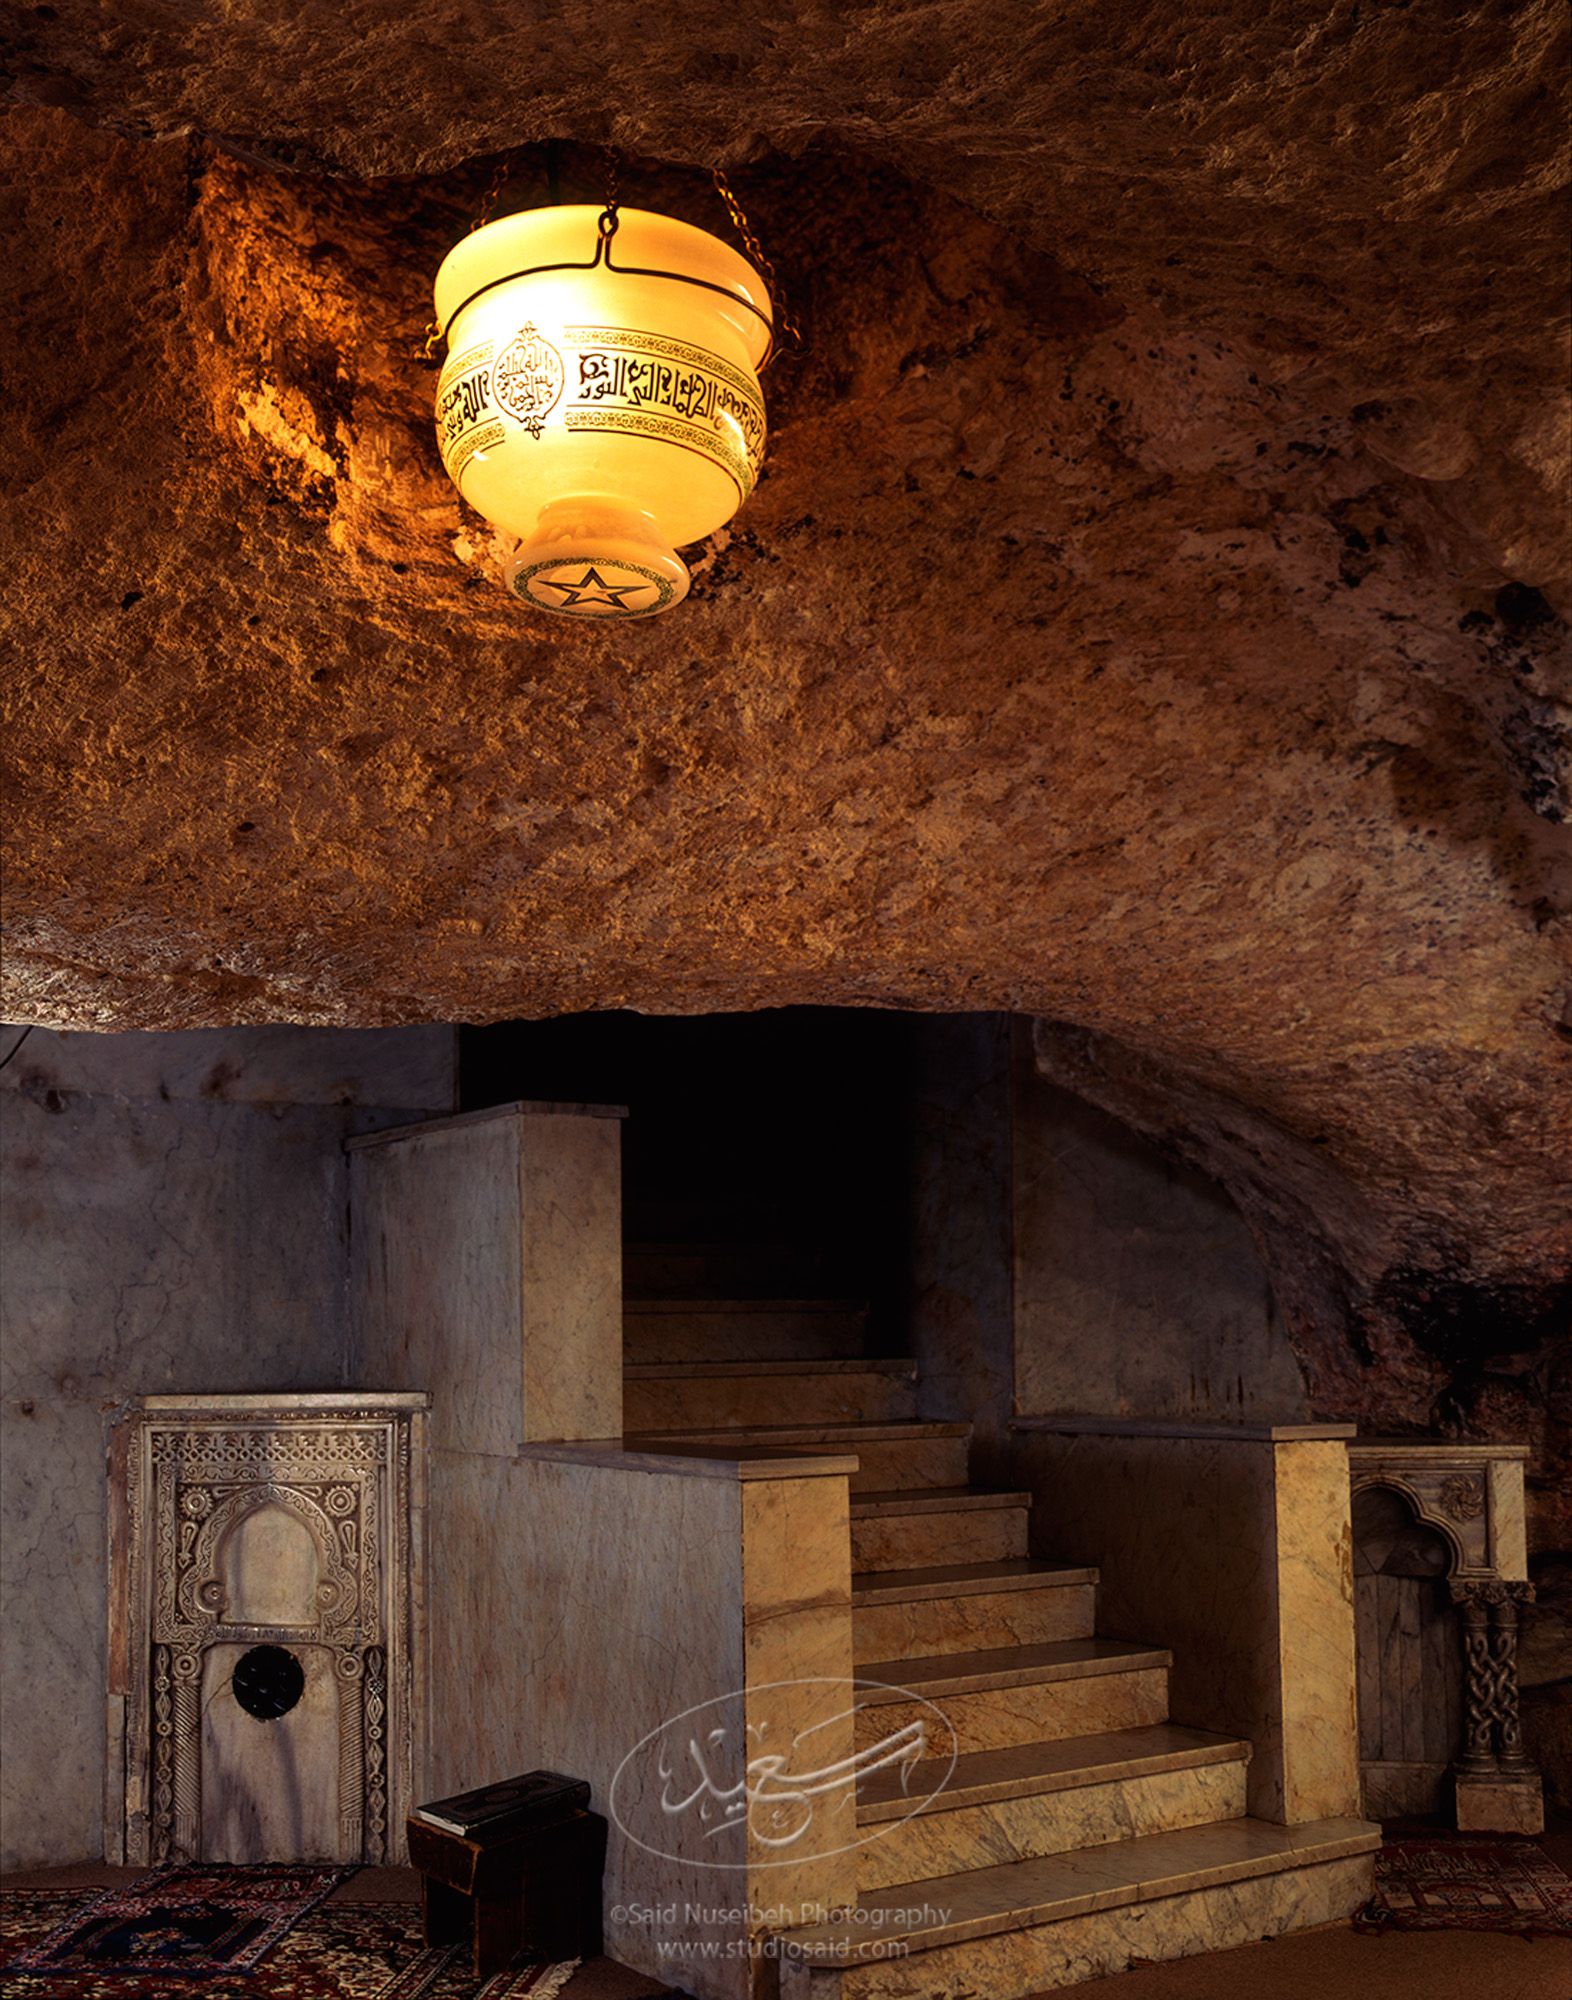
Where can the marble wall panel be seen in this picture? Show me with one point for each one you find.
(796, 1570)
(1236, 1556)
(263, 1789)
(577, 1608)
(959, 1309)
(52, 1586)
(436, 1277)
(1315, 1632)
(172, 1218)
(155, 1247)
(1137, 1287)
(359, 1069)
(571, 1199)
(487, 1266)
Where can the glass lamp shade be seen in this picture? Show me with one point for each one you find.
(605, 414)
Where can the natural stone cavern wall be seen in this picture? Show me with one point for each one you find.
(1146, 622)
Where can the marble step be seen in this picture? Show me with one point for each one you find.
(890, 1456)
(1006, 1695)
(742, 1329)
(955, 1524)
(969, 1608)
(1010, 1932)
(721, 1270)
(998, 1806)
(684, 1395)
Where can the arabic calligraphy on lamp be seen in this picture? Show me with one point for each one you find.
(600, 399)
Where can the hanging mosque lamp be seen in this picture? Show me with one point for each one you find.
(600, 399)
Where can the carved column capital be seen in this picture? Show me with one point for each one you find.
(1489, 1590)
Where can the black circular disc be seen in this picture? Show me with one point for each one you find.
(268, 1681)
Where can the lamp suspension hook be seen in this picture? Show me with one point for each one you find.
(785, 319)
(488, 202)
(607, 223)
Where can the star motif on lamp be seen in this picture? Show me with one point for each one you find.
(574, 594)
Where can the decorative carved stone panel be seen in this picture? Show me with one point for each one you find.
(1440, 1564)
(1471, 1494)
(266, 1634)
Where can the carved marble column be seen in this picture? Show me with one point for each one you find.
(1479, 1758)
(1503, 1662)
(1498, 1789)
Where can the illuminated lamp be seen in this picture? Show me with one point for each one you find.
(600, 399)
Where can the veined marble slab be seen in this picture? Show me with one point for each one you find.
(1075, 1948)
(1236, 1554)
(1218, 1431)
(1054, 1766)
(988, 1718)
(948, 1837)
(983, 1902)
(168, 1221)
(486, 1264)
(587, 1602)
(689, 1396)
(908, 1531)
(1023, 1604)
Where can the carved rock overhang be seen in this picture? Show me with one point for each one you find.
(1148, 620)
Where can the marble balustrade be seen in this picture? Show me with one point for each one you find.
(1227, 1544)
(486, 1265)
(584, 1599)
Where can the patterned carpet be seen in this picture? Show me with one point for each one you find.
(1452, 1883)
(184, 1921)
(337, 1951)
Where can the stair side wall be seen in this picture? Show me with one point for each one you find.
(1235, 1552)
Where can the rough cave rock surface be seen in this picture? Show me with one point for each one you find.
(1148, 621)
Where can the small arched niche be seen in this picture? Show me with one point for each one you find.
(1409, 1669)
(270, 1566)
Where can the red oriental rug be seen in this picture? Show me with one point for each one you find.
(326, 1951)
(1468, 1885)
(184, 1921)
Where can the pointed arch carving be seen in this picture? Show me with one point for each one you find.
(1423, 1504)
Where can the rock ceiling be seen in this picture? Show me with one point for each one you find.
(1148, 620)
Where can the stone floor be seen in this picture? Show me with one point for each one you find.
(1337, 1963)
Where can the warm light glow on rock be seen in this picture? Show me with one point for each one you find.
(605, 408)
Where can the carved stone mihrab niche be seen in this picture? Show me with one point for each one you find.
(241, 1525)
(1472, 1496)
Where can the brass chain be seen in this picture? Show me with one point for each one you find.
(488, 202)
(785, 319)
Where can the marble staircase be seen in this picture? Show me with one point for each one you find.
(1077, 1827)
